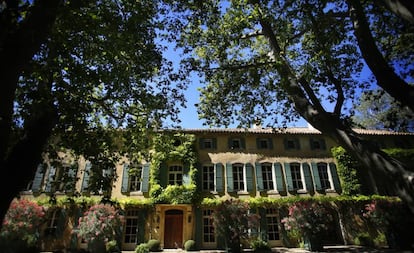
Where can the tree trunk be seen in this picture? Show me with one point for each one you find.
(20, 166)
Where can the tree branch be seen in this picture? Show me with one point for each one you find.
(385, 75)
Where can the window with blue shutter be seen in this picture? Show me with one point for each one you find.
(259, 178)
(38, 179)
(219, 177)
(289, 180)
(70, 183)
(291, 144)
(264, 143)
(317, 144)
(236, 143)
(208, 143)
(335, 178)
(125, 178)
(316, 178)
(308, 177)
(50, 179)
(229, 177)
(85, 180)
(249, 177)
(145, 178)
(279, 177)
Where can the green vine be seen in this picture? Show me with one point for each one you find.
(171, 146)
(348, 171)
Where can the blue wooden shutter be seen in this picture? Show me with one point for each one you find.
(50, 179)
(297, 143)
(259, 177)
(323, 144)
(311, 143)
(71, 184)
(242, 143)
(219, 177)
(163, 174)
(229, 176)
(335, 178)
(289, 181)
(270, 142)
(279, 177)
(230, 143)
(285, 143)
(308, 177)
(85, 181)
(125, 178)
(316, 177)
(214, 143)
(38, 179)
(201, 143)
(263, 223)
(199, 227)
(186, 174)
(249, 177)
(142, 217)
(145, 178)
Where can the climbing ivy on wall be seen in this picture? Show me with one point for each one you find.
(348, 167)
(347, 171)
(176, 147)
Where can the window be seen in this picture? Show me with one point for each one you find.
(264, 143)
(208, 229)
(131, 227)
(135, 179)
(317, 144)
(236, 143)
(272, 224)
(175, 175)
(238, 177)
(208, 143)
(52, 222)
(267, 176)
(208, 177)
(323, 176)
(292, 144)
(296, 176)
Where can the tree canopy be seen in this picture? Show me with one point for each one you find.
(89, 73)
(261, 59)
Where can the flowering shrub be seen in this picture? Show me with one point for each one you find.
(232, 220)
(308, 218)
(101, 223)
(22, 221)
(382, 212)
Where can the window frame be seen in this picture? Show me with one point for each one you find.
(176, 180)
(206, 216)
(322, 175)
(296, 180)
(241, 177)
(211, 178)
(132, 176)
(268, 181)
(272, 214)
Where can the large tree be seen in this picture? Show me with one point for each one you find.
(263, 59)
(88, 73)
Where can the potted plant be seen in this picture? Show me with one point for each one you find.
(310, 219)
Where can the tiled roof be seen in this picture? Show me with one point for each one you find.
(290, 130)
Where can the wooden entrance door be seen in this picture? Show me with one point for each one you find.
(173, 229)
